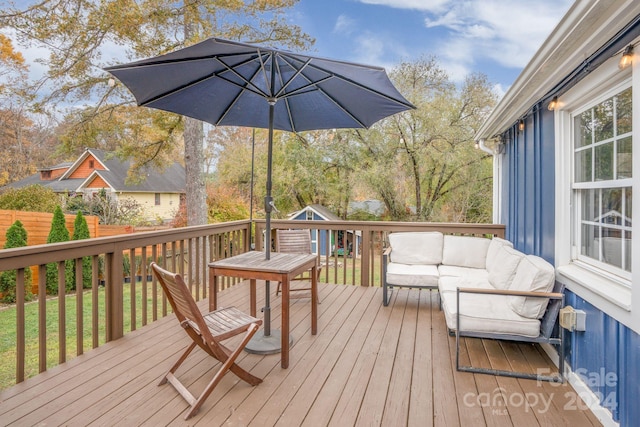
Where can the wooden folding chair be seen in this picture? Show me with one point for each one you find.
(207, 332)
(295, 242)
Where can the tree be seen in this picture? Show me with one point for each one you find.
(77, 31)
(32, 198)
(59, 233)
(109, 210)
(16, 237)
(80, 232)
(425, 157)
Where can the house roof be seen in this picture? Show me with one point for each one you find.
(170, 180)
(586, 27)
(320, 210)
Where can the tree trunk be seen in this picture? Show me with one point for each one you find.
(194, 147)
(194, 168)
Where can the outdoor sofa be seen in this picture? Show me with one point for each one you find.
(486, 287)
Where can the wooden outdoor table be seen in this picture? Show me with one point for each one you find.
(280, 268)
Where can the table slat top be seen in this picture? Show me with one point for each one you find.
(255, 260)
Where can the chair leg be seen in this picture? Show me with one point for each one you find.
(226, 366)
(176, 365)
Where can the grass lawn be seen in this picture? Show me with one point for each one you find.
(8, 330)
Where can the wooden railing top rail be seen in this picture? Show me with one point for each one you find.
(53, 252)
(445, 227)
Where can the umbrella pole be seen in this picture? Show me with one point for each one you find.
(270, 341)
(268, 206)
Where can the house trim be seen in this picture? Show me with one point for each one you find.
(612, 294)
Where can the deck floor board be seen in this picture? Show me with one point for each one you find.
(368, 365)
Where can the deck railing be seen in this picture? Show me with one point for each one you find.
(123, 295)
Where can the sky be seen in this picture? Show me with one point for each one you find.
(494, 37)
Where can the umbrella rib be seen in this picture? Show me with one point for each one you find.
(286, 101)
(360, 85)
(256, 90)
(297, 73)
(237, 97)
(315, 84)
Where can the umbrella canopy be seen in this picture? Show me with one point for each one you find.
(229, 83)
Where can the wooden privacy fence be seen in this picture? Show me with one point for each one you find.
(38, 225)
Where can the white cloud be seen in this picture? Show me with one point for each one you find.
(508, 34)
(423, 5)
(344, 25)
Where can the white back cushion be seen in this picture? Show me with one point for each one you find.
(492, 252)
(534, 274)
(505, 265)
(465, 251)
(419, 247)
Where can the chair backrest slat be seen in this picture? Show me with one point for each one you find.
(180, 299)
(293, 241)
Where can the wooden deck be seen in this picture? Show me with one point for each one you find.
(369, 365)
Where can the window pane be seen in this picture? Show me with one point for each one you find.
(590, 205)
(624, 162)
(612, 206)
(589, 241)
(623, 111)
(582, 129)
(583, 165)
(628, 192)
(612, 247)
(603, 120)
(604, 162)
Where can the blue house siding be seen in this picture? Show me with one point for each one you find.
(302, 216)
(528, 171)
(607, 354)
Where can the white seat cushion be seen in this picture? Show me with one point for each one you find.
(487, 314)
(465, 251)
(456, 271)
(416, 247)
(505, 265)
(452, 283)
(536, 275)
(412, 275)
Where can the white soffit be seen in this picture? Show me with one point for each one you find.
(586, 26)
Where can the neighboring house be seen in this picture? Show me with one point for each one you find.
(371, 207)
(160, 194)
(566, 146)
(319, 238)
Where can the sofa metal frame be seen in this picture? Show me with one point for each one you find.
(387, 288)
(547, 325)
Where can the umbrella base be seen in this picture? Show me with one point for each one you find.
(266, 344)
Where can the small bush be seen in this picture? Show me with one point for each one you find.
(80, 232)
(16, 237)
(59, 233)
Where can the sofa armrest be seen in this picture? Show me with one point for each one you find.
(550, 295)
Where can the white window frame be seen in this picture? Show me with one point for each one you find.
(615, 294)
(596, 185)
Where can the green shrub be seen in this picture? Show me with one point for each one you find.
(16, 237)
(32, 198)
(80, 232)
(59, 233)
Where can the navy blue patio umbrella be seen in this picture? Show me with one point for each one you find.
(236, 84)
